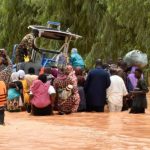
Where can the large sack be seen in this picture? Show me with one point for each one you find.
(136, 58)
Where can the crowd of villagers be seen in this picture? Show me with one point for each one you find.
(71, 88)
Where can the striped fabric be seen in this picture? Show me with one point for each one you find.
(3, 93)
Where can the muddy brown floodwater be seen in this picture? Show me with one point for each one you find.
(80, 131)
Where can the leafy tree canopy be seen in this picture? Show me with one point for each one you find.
(109, 28)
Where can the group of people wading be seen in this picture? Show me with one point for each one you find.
(71, 88)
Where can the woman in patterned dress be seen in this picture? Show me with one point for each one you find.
(14, 98)
(68, 102)
(26, 96)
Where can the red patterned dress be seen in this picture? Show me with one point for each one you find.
(71, 104)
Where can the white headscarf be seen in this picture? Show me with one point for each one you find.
(74, 50)
(21, 74)
(14, 76)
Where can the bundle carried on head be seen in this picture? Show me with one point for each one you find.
(136, 58)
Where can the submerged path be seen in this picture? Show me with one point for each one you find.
(80, 131)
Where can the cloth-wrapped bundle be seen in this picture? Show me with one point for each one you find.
(136, 58)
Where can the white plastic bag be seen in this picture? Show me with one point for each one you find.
(136, 58)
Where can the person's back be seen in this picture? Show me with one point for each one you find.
(41, 97)
(97, 84)
(139, 101)
(82, 105)
(95, 89)
(133, 80)
(21, 74)
(76, 59)
(115, 93)
(30, 77)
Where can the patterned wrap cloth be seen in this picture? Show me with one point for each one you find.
(62, 81)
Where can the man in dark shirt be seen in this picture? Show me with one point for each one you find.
(97, 82)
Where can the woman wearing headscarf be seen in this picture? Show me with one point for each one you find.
(26, 97)
(42, 96)
(76, 59)
(67, 92)
(14, 99)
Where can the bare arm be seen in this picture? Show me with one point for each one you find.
(52, 97)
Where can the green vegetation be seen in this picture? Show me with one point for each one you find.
(109, 28)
